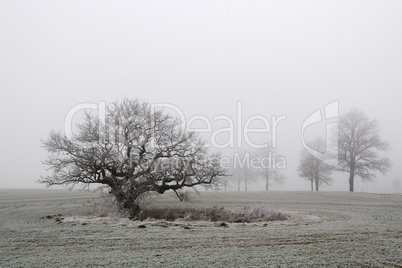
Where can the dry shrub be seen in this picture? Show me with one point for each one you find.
(213, 214)
(107, 207)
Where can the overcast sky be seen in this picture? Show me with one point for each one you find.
(276, 57)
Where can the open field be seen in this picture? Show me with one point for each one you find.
(325, 229)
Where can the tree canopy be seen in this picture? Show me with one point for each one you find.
(360, 145)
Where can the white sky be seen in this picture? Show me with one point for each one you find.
(276, 57)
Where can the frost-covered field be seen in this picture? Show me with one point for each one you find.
(325, 229)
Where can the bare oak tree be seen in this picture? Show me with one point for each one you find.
(314, 169)
(134, 151)
(359, 145)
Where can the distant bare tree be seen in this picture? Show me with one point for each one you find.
(134, 152)
(224, 183)
(233, 173)
(268, 170)
(240, 169)
(248, 174)
(314, 169)
(359, 145)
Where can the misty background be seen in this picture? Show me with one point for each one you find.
(276, 57)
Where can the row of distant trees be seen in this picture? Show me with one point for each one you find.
(359, 149)
(359, 152)
(136, 150)
(255, 165)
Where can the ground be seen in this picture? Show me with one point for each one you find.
(51, 228)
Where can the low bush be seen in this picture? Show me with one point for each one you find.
(106, 207)
(213, 214)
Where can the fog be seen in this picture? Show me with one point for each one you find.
(276, 58)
